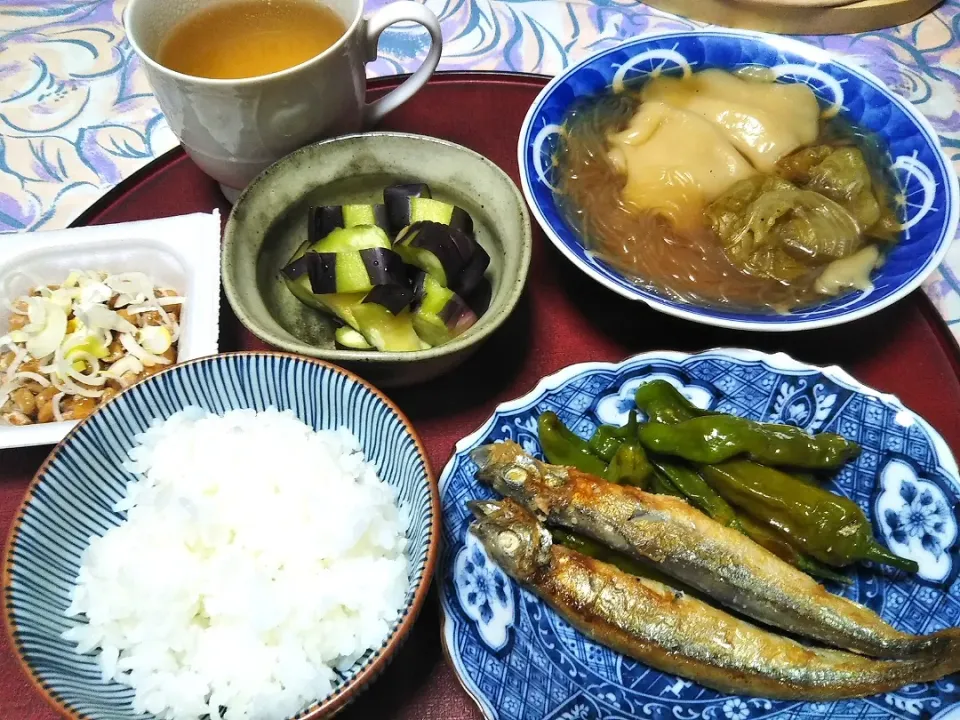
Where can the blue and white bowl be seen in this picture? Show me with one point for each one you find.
(927, 179)
(521, 661)
(72, 496)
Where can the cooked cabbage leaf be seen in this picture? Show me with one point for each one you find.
(843, 175)
(771, 228)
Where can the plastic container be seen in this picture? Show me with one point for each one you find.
(180, 252)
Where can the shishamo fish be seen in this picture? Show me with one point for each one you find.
(677, 633)
(687, 545)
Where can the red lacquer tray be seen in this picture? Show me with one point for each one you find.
(563, 318)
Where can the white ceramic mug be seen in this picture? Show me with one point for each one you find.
(233, 129)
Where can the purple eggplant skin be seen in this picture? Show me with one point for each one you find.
(395, 199)
(394, 298)
(457, 315)
(441, 241)
(440, 314)
(384, 266)
(323, 272)
(324, 219)
(479, 299)
(418, 281)
(380, 265)
(297, 268)
(426, 233)
(460, 256)
(472, 274)
(404, 211)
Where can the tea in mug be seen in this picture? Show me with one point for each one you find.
(247, 38)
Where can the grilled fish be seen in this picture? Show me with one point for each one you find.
(676, 633)
(687, 545)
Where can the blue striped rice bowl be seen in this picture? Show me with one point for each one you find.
(72, 496)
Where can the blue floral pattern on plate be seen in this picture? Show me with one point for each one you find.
(928, 196)
(521, 661)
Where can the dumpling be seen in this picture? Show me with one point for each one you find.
(764, 120)
(675, 162)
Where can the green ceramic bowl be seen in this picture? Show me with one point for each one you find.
(268, 224)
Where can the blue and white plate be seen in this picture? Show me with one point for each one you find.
(928, 182)
(520, 661)
(72, 497)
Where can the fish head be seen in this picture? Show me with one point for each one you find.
(511, 536)
(509, 470)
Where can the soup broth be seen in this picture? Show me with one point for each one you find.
(657, 224)
(247, 38)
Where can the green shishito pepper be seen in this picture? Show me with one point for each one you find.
(829, 528)
(769, 539)
(607, 439)
(562, 446)
(696, 491)
(630, 466)
(660, 484)
(661, 402)
(717, 438)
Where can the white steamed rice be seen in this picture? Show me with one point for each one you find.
(257, 557)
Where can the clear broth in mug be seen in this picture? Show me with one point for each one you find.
(247, 38)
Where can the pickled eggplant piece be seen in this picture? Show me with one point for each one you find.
(324, 219)
(358, 237)
(297, 278)
(386, 331)
(479, 299)
(472, 275)
(394, 298)
(401, 276)
(395, 199)
(350, 271)
(439, 250)
(337, 304)
(340, 305)
(441, 314)
(404, 211)
(351, 339)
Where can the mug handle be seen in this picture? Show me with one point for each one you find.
(402, 11)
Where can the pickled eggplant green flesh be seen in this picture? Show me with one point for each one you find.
(352, 268)
(384, 330)
(324, 219)
(351, 339)
(442, 314)
(439, 250)
(408, 210)
(353, 238)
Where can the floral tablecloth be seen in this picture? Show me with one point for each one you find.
(77, 115)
